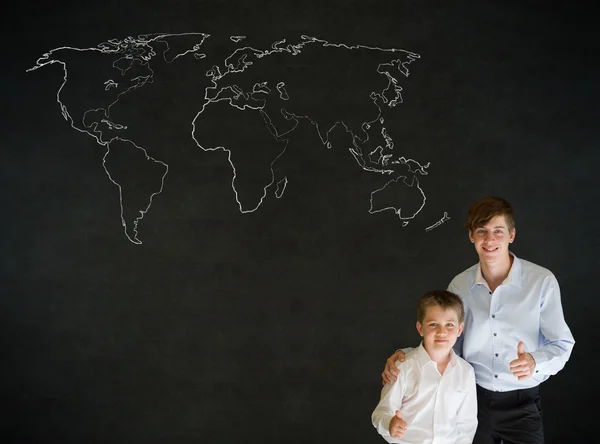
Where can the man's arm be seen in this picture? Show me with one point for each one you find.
(555, 334)
(466, 417)
(458, 346)
(390, 371)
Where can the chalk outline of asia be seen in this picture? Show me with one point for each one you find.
(131, 168)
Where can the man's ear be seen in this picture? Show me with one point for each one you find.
(471, 238)
(420, 328)
(461, 327)
(513, 233)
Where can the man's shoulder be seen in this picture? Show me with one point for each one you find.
(529, 267)
(465, 277)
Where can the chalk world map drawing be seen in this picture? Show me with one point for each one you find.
(330, 85)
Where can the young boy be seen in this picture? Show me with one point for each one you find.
(434, 398)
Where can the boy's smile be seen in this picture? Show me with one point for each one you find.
(492, 240)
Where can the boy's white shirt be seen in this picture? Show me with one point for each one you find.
(437, 406)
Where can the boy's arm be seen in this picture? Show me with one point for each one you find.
(557, 337)
(466, 417)
(390, 401)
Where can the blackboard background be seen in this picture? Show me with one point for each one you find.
(274, 326)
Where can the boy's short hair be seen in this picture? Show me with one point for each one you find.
(441, 298)
(485, 209)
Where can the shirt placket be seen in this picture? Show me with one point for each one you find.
(496, 340)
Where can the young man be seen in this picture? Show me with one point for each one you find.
(434, 397)
(515, 334)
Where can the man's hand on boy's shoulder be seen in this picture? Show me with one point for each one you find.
(398, 425)
(390, 371)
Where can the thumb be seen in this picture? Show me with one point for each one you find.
(398, 414)
(520, 348)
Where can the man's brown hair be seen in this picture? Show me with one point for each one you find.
(443, 299)
(485, 209)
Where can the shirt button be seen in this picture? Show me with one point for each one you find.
(495, 334)
(496, 355)
(493, 316)
(495, 376)
(489, 292)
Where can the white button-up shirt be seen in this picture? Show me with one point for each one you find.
(525, 307)
(439, 409)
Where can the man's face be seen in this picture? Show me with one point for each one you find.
(439, 329)
(492, 240)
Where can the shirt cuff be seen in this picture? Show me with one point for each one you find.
(540, 364)
(384, 426)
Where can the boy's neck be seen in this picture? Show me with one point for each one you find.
(442, 359)
(494, 273)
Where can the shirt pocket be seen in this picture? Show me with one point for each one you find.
(453, 400)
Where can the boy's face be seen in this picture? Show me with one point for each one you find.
(440, 329)
(492, 240)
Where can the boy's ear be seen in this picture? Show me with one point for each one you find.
(420, 328)
(461, 328)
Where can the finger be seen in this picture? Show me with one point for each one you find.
(519, 363)
(390, 376)
(519, 368)
(391, 367)
(522, 372)
(396, 429)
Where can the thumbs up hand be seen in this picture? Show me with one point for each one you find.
(398, 425)
(523, 366)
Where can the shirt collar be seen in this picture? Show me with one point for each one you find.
(513, 278)
(423, 357)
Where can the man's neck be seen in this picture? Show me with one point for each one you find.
(495, 272)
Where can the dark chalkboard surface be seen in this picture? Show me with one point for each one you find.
(218, 216)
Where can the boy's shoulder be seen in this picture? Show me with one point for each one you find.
(413, 354)
(414, 358)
